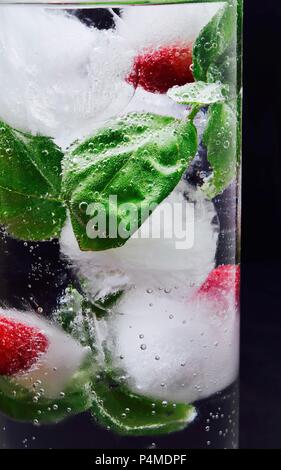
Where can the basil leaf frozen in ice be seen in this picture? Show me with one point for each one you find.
(129, 414)
(18, 403)
(113, 404)
(224, 72)
(30, 183)
(220, 139)
(78, 316)
(214, 40)
(198, 93)
(135, 161)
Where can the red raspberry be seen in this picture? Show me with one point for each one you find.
(158, 70)
(221, 282)
(20, 346)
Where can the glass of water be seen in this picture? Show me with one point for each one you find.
(120, 130)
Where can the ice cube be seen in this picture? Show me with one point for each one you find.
(58, 364)
(145, 102)
(59, 77)
(147, 261)
(166, 24)
(173, 349)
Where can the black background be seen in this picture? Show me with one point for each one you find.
(261, 235)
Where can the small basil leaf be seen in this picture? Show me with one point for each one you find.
(220, 139)
(198, 93)
(130, 414)
(79, 317)
(137, 160)
(214, 39)
(30, 184)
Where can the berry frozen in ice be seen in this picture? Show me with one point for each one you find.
(221, 283)
(163, 39)
(32, 349)
(20, 346)
(158, 70)
(45, 374)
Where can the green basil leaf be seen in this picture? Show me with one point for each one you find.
(214, 39)
(239, 103)
(220, 139)
(30, 184)
(130, 414)
(198, 93)
(138, 159)
(239, 43)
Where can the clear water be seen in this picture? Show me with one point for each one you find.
(64, 73)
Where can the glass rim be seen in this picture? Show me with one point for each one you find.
(108, 3)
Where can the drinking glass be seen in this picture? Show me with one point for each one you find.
(120, 131)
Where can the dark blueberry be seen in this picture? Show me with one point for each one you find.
(199, 168)
(100, 18)
(226, 206)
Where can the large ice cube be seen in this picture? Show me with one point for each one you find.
(171, 348)
(151, 262)
(58, 77)
(166, 24)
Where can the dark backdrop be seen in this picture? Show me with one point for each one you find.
(261, 239)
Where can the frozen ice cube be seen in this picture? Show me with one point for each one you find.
(147, 261)
(159, 25)
(173, 349)
(145, 102)
(55, 367)
(59, 77)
